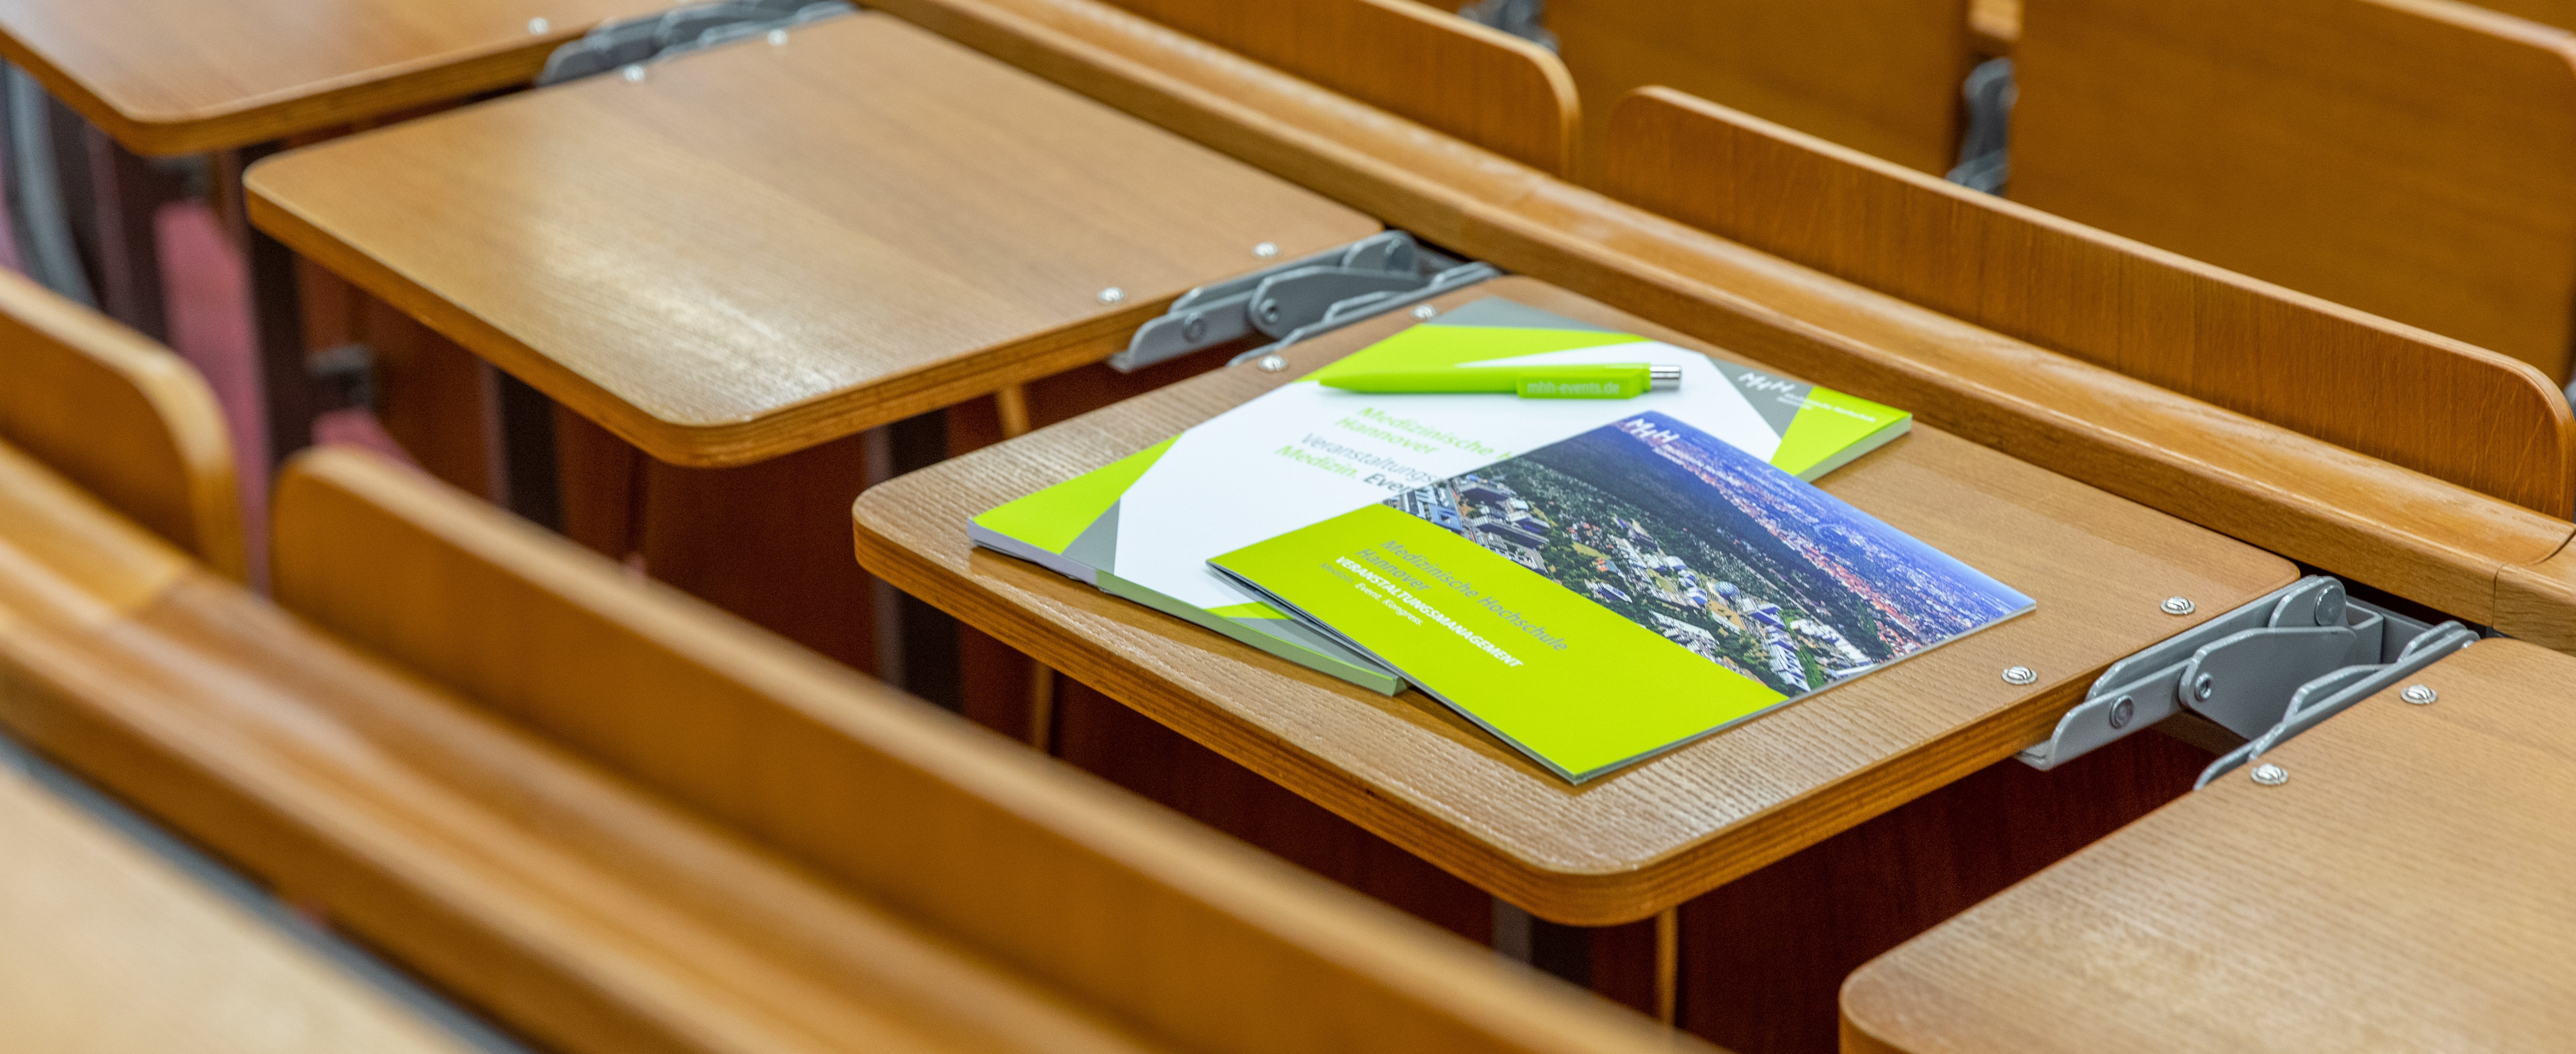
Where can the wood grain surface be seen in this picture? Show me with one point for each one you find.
(184, 76)
(759, 248)
(652, 828)
(2412, 158)
(1625, 846)
(121, 417)
(2353, 515)
(2407, 396)
(1879, 76)
(1994, 26)
(1481, 85)
(107, 948)
(2404, 890)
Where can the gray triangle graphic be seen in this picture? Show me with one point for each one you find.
(1777, 399)
(1511, 314)
(1097, 546)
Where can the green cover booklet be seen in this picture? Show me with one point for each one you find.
(1614, 595)
(1144, 527)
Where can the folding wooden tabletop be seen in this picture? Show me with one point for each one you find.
(2400, 884)
(1630, 845)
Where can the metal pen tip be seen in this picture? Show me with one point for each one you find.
(1664, 378)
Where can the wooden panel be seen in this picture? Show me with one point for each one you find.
(106, 948)
(183, 76)
(1154, 921)
(1628, 845)
(2353, 515)
(1481, 85)
(1764, 957)
(2394, 392)
(121, 417)
(2404, 890)
(2412, 158)
(795, 242)
(1879, 76)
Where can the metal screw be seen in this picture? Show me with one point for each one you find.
(1194, 328)
(2204, 687)
(2271, 775)
(2123, 711)
(1112, 295)
(2177, 606)
(634, 74)
(1269, 310)
(777, 38)
(538, 27)
(1425, 313)
(2419, 694)
(2020, 675)
(1266, 250)
(1272, 363)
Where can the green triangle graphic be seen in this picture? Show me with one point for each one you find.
(1435, 346)
(1052, 518)
(1828, 430)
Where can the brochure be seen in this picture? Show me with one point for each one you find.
(1617, 594)
(1144, 527)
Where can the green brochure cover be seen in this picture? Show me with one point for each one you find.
(1614, 595)
(1144, 527)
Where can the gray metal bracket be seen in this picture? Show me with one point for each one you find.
(1300, 298)
(2334, 693)
(2250, 670)
(652, 38)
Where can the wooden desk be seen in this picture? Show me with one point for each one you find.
(1627, 846)
(2406, 889)
(106, 947)
(760, 248)
(185, 76)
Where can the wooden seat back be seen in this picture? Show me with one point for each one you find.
(622, 821)
(121, 417)
(2411, 158)
(1879, 76)
(1483, 86)
(2427, 402)
(1066, 879)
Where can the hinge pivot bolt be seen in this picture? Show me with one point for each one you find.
(2177, 606)
(2123, 712)
(2419, 694)
(2020, 675)
(2271, 775)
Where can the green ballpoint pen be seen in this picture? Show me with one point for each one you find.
(1622, 380)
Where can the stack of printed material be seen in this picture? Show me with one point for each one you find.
(1615, 595)
(1145, 527)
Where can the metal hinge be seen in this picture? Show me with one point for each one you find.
(2265, 671)
(1301, 298)
(651, 38)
